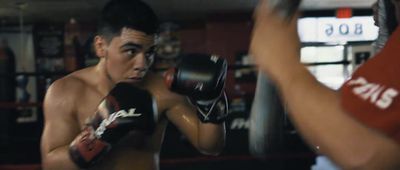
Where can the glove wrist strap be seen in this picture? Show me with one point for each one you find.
(213, 111)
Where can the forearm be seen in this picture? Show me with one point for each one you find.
(58, 159)
(317, 114)
(211, 138)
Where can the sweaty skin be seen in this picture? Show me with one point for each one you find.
(71, 100)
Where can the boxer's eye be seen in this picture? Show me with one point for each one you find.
(130, 52)
(150, 54)
(151, 51)
(130, 49)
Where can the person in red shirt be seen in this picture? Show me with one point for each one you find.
(357, 127)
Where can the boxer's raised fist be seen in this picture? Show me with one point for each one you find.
(201, 77)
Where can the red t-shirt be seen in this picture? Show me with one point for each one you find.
(372, 95)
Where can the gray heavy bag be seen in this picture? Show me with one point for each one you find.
(285, 8)
(267, 115)
(267, 119)
(383, 33)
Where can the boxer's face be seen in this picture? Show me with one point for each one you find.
(128, 56)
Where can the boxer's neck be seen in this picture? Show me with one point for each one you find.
(103, 81)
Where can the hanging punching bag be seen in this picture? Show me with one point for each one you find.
(7, 89)
(267, 117)
(383, 32)
(7, 71)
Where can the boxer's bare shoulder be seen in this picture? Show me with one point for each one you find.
(75, 92)
(72, 83)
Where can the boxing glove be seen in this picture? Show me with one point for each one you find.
(125, 108)
(201, 77)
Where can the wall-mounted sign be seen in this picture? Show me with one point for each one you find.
(337, 30)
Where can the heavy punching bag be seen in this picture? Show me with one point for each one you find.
(383, 32)
(267, 117)
(7, 89)
(7, 71)
(386, 23)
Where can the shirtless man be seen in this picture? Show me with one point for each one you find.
(113, 115)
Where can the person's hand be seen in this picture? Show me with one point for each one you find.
(275, 45)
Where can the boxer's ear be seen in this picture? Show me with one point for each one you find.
(100, 46)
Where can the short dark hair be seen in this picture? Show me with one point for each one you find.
(133, 14)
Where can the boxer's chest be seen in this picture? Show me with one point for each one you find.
(87, 107)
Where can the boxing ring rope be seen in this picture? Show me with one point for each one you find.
(21, 167)
(37, 74)
(10, 105)
(230, 67)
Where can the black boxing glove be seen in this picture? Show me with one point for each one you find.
(125, 108)
(201, 77)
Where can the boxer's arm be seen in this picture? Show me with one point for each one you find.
(60, 128)
(208, 138)
(314, 108)
(201, 79)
